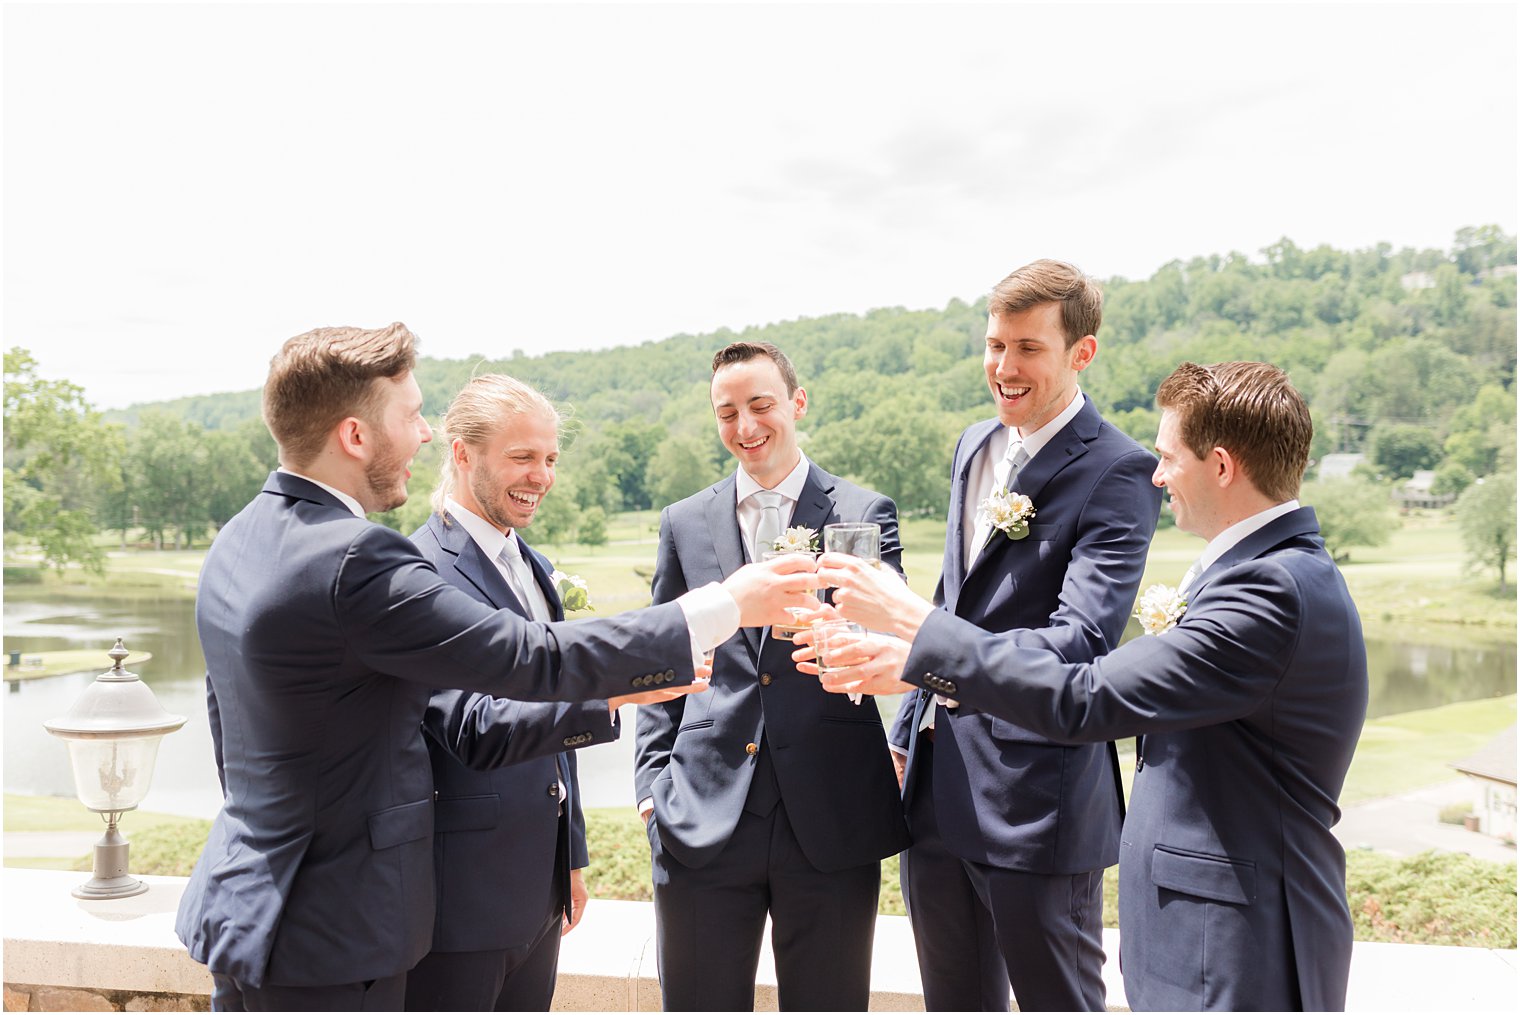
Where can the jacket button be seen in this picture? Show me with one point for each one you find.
(554, 789)
(752, 749)
(765, 679)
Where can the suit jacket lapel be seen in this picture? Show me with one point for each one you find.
(545, 577)
(471, 562)
(1292, 525)
(728, 542)
(1069, 444)
(955, 544)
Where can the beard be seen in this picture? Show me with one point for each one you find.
(494, 504)
(385, 478)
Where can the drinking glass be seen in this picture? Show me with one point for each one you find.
(858, 539)
(833, 636)
(784, 632)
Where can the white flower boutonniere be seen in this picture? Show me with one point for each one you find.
(1008, 513)
(573, 593)
(1159, 609)
(797, 539)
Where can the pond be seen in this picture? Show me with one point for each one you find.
(1405, 675)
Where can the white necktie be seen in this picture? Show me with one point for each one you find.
(520, 577)
(1003, 474)
(769, 528)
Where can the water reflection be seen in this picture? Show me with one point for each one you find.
(1404, 675)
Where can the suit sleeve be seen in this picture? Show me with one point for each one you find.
(1107, 561)
(1226, 655)
(402, 619)
(483, 732)
(655, 735)
(214, 717)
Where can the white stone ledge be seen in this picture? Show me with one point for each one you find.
(608, 963)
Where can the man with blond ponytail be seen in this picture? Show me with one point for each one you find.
(324, 634)
(509, 838)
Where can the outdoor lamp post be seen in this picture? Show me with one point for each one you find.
(113, 732)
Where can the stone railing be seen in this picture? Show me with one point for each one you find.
(65, 954)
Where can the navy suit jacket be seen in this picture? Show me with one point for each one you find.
(497, 768)
(829, 756)
(323, 635)
(1232, 888)
(1004, 794)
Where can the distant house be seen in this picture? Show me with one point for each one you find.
(1498, 271)
(1339, 466)
(1415, 492)
(1492, 771)
(1417, 280)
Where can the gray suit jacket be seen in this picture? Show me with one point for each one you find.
(830, 757)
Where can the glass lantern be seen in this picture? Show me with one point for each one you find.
(112, 732)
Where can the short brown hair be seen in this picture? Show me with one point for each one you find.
(1047, 281)
(478, 413)
(320, 378)
(1249, 409)
(743, 352)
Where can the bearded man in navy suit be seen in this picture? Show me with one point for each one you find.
(1248, 699)
(773, 797)
(1011, 830)
(323, 633)
(509, 838)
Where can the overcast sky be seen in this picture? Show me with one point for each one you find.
(187, 186)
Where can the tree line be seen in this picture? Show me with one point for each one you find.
(1406, 356)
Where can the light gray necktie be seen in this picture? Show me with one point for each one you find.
(1190, 576)
(520, 577)
(769, 528)
(1003, 474)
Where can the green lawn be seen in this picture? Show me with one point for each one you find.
(1402, 752)
(1415, 584)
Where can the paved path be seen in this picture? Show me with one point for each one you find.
(1409, 823)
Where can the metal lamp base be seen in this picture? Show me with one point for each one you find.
(111, 880)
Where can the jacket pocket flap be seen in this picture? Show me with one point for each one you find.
(402, 823)
(1208, 877)
(468, 813)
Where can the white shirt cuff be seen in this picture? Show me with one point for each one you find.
(712, 617)
(897, 750)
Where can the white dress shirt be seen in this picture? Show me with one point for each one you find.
(747, 508)
(1227, 539)
(979, 478)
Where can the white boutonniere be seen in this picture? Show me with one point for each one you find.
(1159, 609)
(1008, 513)
(573, 593)
(797, 539)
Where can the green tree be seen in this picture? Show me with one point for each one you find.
(592, 530)
(169, 474)
(1351, 512)
(1400, 449)
(1486, 516)
(59, 458)
(903, 452)
(679, 468)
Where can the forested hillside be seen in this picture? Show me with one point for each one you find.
(1407, 355)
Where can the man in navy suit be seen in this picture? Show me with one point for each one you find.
(1248, 701)
(770, 796)
(323, 633)
(1011, 831)
(509, 838)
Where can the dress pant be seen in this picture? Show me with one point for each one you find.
(510, 979)
(385, 994)
(710, 922)
(980, 930)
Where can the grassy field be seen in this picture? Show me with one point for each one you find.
(1402, 752)
(1415, 585)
